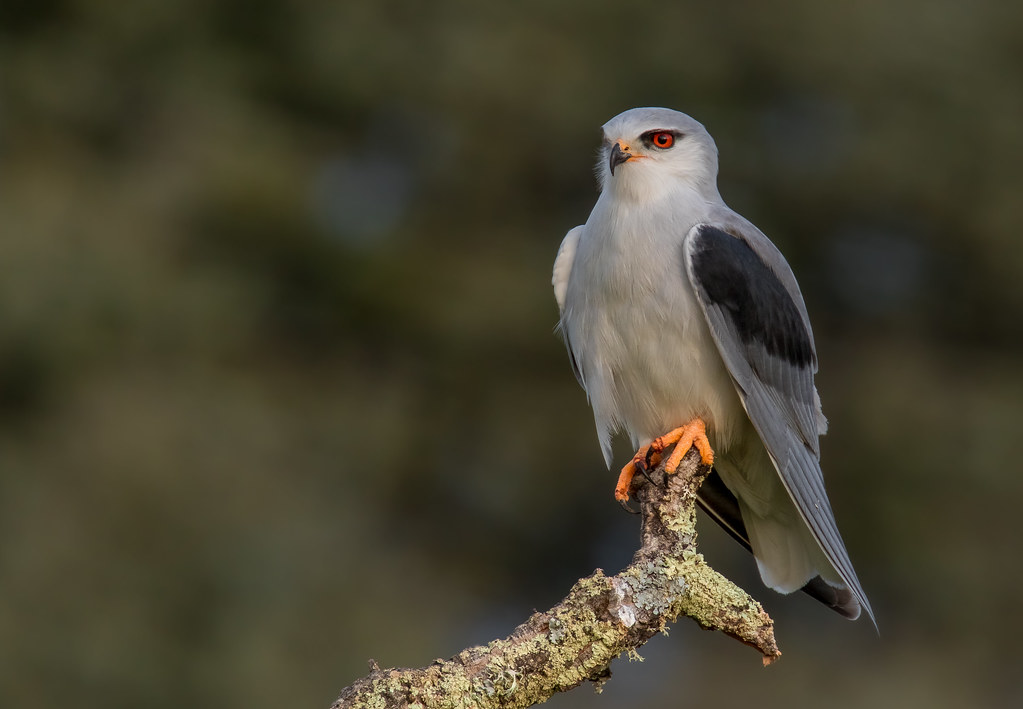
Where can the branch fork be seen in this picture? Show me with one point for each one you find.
(600, 618)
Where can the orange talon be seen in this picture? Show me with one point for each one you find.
(627, 474)
(625, 481)
(685, 437)
(645, 457)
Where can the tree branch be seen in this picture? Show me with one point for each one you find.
(599, 619)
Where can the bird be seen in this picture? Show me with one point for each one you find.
(685, 326)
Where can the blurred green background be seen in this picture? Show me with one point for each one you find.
(279, 387)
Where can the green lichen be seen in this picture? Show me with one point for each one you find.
(576, 641)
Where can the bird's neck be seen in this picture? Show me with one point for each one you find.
(682, 206)
(644, 189)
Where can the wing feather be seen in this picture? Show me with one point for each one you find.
(559, 279)
(563, 265)
(757, 319)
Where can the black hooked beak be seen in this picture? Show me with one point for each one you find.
(618, 156)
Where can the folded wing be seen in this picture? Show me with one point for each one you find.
(759, 324)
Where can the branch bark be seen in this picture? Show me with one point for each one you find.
(599, 619)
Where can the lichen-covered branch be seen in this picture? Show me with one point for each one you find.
(600, 618)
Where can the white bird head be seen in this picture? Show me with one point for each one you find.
(650, 151)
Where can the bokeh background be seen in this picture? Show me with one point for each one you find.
(279, 387)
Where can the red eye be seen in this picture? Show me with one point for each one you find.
(663, 140)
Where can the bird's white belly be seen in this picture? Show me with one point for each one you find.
(645, 351)
(665, 373)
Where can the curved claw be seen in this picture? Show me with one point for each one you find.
(627, 507)
(641, 466)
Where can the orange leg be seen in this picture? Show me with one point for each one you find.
(685, 437)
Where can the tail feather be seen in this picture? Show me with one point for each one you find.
(718, 501)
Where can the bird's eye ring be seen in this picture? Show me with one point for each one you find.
(662, 139)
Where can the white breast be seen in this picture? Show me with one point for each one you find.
(640, 339)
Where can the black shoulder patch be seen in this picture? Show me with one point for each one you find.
(730, 275)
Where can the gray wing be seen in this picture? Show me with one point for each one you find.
(559, 279)
(757, 318)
